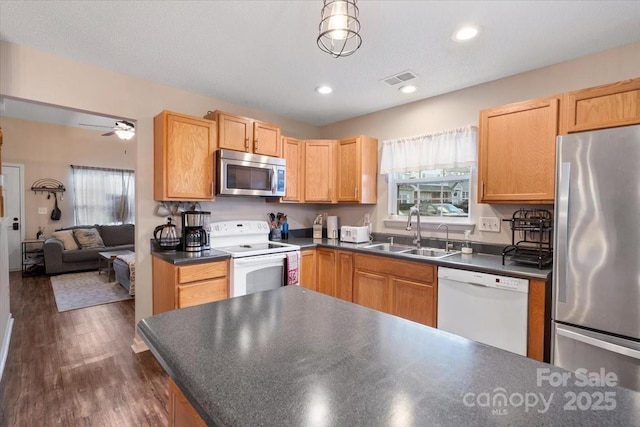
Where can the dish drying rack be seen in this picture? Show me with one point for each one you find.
(534, 230)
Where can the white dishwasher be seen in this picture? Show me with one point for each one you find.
(484, 307)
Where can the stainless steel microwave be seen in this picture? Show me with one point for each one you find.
(247, 174)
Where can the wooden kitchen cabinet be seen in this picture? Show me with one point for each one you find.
(184, 286)
(516, 158)
(180, 411)
(308, 269)
(610, 105)
(184, 166)
(357, 180)
(246, 134)
(404, 288)
(292, 151)
(334, 270)
(320, 171)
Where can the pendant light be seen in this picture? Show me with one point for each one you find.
(339, 28)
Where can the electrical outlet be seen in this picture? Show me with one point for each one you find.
(42, 211)
(490, 224)
(367, 218)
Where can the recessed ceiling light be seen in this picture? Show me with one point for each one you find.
(408, 89)
(324, 90)
(465, 33)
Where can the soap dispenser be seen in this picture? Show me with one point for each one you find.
(466, 247)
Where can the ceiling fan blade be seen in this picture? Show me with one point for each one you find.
(95, 126)
(109, 133)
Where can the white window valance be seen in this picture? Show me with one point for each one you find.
(449, 149)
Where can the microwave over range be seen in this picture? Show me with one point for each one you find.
(247, 174)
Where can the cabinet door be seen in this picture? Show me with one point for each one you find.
(234, 132)
(344, 275)
(414, 301)
(326, 271)
(292, 153)
(184, 164)
(606, 106)
(372, 290)
(349, 173)
(181, 413)
(202, 292)
(319, 171)
(266, 139)
(308, 269)
(516, 160)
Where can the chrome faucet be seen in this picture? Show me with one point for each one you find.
(418, 240)
(446, 243)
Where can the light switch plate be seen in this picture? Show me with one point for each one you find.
(42, 211)
(491, 224)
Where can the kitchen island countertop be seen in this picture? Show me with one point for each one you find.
(292, 356)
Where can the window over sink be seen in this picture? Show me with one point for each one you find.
(439, 193)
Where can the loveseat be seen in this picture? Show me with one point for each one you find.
(76, 248)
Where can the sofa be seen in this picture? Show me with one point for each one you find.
(76, 248)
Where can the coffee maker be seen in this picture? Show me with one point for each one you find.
(195, 231)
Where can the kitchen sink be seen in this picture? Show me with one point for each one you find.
(411, 250)
(388, 247)
(430, 252)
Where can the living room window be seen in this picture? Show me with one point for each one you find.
(103, 196)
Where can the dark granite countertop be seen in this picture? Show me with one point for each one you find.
(294, 357)
(485, 263)
(186, 258)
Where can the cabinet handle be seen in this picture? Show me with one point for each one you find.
(211, 188)
(483, 189)
(255, 144)
(246, 144)
(356, 192)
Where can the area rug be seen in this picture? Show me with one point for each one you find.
(80, 290)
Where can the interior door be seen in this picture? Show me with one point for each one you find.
(14, 206)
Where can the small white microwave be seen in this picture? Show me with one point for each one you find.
(353, 234)
(247, 174)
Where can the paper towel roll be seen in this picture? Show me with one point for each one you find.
(332, 227)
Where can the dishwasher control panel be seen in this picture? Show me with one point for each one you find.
(484, 279)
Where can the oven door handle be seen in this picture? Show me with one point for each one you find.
(259, 259)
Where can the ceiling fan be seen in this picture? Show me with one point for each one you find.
(124, 129)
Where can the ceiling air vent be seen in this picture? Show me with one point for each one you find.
(402, 77)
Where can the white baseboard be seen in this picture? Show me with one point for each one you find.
(138, 345)
(4, 351)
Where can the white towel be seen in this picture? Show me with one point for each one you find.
(292, 267)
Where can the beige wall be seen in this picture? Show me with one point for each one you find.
(47, 151)
(34, 75)
(462, 108)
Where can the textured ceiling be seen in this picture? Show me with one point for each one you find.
(263, 54)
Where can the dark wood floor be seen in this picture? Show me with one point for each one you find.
(76, 368)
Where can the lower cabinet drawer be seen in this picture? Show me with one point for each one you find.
(204, 271)
(203, 292)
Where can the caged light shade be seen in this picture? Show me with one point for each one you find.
(339, 28)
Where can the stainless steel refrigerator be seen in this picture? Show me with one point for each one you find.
(596, 266)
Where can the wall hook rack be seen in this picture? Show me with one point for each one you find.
(48, 185)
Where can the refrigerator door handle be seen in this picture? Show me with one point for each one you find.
(562, 238)
(605, 345)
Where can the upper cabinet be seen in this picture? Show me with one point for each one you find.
(245, 134)
(357, 180)
(292, 152)
(319, 171)
(516, 156)
(610, 105)
(184, 148)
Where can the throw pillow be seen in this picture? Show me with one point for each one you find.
(66, 237)
(88, 238)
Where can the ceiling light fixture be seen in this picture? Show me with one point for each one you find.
(408, 89)
(339, 28)
(324, 90)
(125, 134)
(465, 33)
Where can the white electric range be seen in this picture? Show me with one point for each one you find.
(257, 264)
